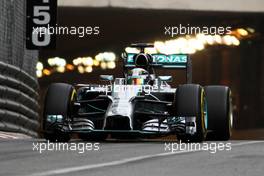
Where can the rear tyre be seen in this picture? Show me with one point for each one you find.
(220, 116)
(190, 102)
(57, 112)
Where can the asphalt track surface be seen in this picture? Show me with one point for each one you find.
(130, 158)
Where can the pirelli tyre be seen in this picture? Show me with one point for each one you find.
(190, 103)
(220, 116)
(57, 111)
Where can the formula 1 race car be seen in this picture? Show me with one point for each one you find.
(141, 104)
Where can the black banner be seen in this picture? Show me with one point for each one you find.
(41, 15)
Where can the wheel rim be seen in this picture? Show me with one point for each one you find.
(204, 117)
(230, 114)
(205, 114)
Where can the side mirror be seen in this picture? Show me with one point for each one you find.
(165, 78)
(106, 77)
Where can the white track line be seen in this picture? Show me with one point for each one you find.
(7, 136)
(3, 136)
(123, 161)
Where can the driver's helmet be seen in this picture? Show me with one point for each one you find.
(137, 76)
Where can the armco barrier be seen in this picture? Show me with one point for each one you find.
(19, 109)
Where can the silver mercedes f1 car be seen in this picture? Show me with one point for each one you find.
(141, 104)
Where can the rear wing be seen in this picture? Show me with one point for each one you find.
(172, 61)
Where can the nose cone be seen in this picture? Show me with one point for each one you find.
(120, 111)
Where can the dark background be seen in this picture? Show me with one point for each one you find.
(241, 67)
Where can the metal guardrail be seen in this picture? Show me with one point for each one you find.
(19, 109)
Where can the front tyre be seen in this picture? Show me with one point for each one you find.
(220, 115)
(190, 103)
(57, 109)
